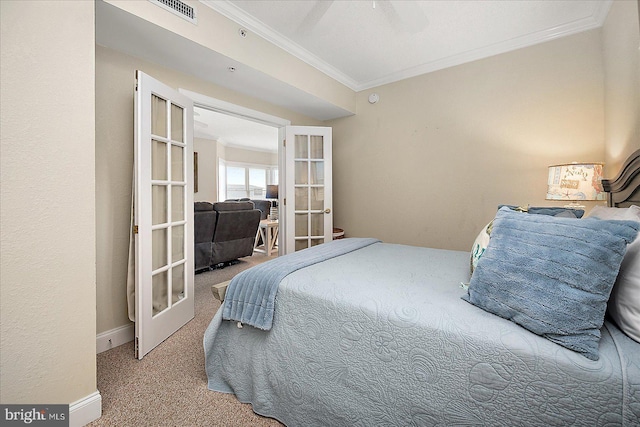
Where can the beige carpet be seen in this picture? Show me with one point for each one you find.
(168, 387)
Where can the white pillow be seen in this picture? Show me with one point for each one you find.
(624, 303)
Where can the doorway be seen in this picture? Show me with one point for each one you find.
(206, 106)
(235, 146)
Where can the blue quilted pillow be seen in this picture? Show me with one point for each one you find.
(482, 241)
(552, 275)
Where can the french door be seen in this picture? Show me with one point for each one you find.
(308, 200)
(163, 212)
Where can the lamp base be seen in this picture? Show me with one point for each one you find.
(273, 214)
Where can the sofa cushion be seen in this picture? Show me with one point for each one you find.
(236, 225)
(264, 206)
(202, 206)
(233, 206)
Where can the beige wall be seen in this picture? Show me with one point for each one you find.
(207, 170)
(431, 161)
(621, 40)
(48, 202)
(235, 154)
(115, 74)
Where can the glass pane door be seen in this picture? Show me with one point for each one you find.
(309, 217)
(168, 181)
(163, 212)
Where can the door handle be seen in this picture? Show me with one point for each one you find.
(327, 211)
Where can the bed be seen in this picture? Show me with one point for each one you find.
(381, 335)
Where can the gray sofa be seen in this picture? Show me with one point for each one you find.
(224, 232)
(265, 210)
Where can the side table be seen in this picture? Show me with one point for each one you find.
(268, 232)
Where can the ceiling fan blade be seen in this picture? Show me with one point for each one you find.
(314, 16)
(404, 16)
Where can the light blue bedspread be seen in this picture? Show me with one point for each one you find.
(380, 337)
(250, 297)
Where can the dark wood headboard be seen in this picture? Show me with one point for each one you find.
(624, 189)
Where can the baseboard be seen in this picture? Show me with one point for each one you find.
(115, 337)
(83, 411)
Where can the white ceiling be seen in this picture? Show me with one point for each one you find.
(368, 43)
(361, 43)
(234, 131)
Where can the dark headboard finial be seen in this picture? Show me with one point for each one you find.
(624, 189)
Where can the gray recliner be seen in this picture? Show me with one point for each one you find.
(236, 227)
(203, 228)
(224, 231)
(263, 205)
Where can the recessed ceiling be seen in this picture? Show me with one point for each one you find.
(234, 131)
(373, 42)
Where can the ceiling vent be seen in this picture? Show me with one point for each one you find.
(179, 8)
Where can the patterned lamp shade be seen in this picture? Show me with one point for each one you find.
(575, 181)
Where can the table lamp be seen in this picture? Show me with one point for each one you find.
(272, 193)
(575, 182)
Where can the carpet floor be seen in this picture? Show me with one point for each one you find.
(168, 387)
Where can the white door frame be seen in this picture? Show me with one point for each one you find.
(209, 103)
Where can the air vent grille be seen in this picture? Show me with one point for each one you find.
(179, 8)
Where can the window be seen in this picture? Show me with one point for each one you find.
(239, 181)
(236, 183)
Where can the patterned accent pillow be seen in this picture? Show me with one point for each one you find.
(480, 245)
(552, 275)
(481, 242)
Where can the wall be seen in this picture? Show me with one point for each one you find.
(207, 170)
(235, 154)
(48, 203)
(115, 73)
(621, 47)
(429, 163)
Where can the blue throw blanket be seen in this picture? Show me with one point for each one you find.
(250, 297)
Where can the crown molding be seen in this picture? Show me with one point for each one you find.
(594, 21)
(247, 148)
(236, 14)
